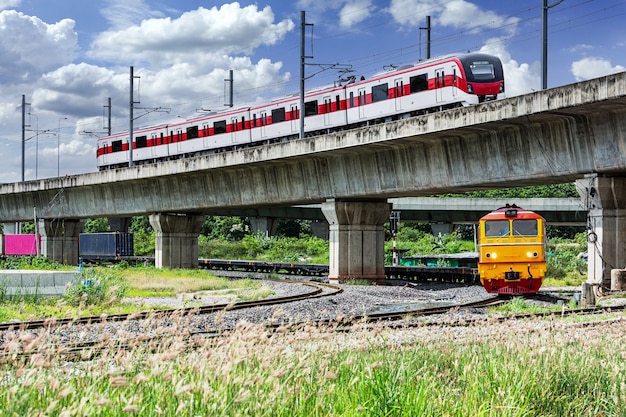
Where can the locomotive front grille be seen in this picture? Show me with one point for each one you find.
(511, 275)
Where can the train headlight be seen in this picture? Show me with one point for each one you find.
(532, 254)
(502, 87)
(470, 89)
(491, 255)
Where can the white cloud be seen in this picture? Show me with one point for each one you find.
(198, 35)
(592, 67)
(124, 13)
(519, 78)
(30, 47)
(7, 4)
(463, 14)
(354, 12)
(413, 12)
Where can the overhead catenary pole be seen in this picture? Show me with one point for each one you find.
(544, 38)
(303, 58)
(427, 29)
(24, 103)
(230, 81)
(130, 121)
(108, 127)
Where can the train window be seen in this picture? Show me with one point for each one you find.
(497, 228)
(380, 92)
(310, 108)
(419, 83)
(219, 127)
(254, 120)
(482, 70)
(141, 142)
(116, 146)
(278, 115)
(338, 102)
(351, 99)
(192, 132)
(526, 227)
(161, 141)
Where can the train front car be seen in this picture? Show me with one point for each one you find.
(484, 77)
(512, 251)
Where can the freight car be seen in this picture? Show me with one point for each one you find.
(512, 251)
(94, 247)
(432, 85)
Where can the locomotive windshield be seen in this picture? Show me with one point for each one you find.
(482, 68)
(525, 227)
(497, 228)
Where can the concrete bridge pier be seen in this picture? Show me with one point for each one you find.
(264, 225)
(357, 239)
(59, 239)
(176, 239)
(605, 198)
(120, 224)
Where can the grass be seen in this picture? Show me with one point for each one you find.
(114, 284)
(534, 368)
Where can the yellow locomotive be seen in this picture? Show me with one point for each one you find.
(512, 251)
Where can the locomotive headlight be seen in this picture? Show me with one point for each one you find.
(491, 255)
(470, 89)
(532, 254)
(502, 87)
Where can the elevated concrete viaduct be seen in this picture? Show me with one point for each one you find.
(574, 132)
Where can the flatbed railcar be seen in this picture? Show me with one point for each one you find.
(431, 85)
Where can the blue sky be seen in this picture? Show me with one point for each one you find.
(68, 56)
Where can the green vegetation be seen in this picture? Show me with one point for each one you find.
(101, 290)
(526, 369)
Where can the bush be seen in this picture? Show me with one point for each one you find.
(93, 288)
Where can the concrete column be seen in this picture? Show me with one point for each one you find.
(176, 239)
(120, 224)
(605, 198)
(264, 225)
(59, 239)
(441, 228)
(357, 239)
(320, 229)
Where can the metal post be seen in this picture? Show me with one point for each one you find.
(427, 29)
(130, 121)
(109, 118)
(59, 146)
(23, 135)
(302, 27)
(230, 81)
(303, 57)
(544, 38)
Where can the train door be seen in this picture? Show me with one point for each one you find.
(179, 141)
(399, 91)
(263, 122)
(362, 102)
(439, 83)
(328, 109)
(454, 81)
(295, 119)
(233, 131)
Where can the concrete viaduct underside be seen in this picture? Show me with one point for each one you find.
(574, 132)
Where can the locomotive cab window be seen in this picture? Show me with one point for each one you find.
(419, 83)
(527, 227)
(497, 228)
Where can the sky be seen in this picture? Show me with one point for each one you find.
(68, 57)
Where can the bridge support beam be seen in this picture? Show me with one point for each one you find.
(120, 224)
(59, 240)
(605, 198)
(357, 239)
(176, 239)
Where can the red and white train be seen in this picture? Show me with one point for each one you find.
(432, 85)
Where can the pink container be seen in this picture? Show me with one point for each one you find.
(20, 244)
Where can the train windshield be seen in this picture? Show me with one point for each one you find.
(497, 228)
(525, 227)
(482, 70)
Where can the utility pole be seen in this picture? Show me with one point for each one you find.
(24, 104)
(427, 29)
(230, 80)
(303, 58)
(544, 37)
(108, 126)
(132, 106)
